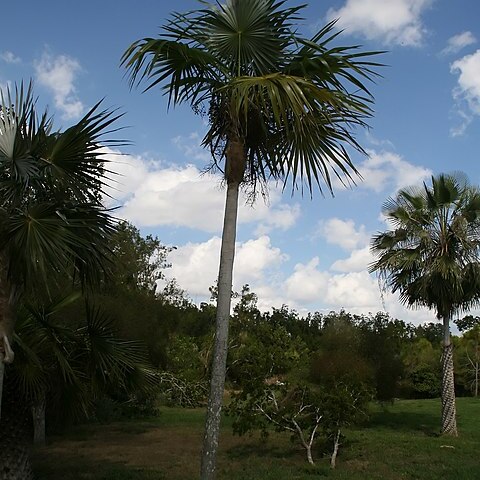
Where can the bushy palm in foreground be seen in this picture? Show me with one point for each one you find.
(71, 366)
(432, 258)
(51, 220)
(279, 106)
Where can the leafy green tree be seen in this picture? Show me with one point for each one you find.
(433, 332)
(468, 356)
(139, 261)
(422, 373)
(338, 354)
(382, 339)
(431, 257)
(467, 322)
(279, 107)
(261, 352)
(303, 411)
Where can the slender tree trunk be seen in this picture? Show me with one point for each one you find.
(336, 445)
(476, 379)
(234, 172)
(2, 374)
(477, 366)
(308, 448)
(449, 416)
(38, 416)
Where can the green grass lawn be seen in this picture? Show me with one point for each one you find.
(400, 442)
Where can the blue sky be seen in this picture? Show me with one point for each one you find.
(308, 254)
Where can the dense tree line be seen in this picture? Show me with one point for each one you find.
(392, 357)
(155, 346)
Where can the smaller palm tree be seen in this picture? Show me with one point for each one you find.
(431, 256)
(71, 366)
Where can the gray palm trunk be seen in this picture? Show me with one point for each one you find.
(449, 416)
(234, 174)
(38, 416)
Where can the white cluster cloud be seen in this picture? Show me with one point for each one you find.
(358, 261)
(10, 57)
(467, 91)
(309, 286)
(389, 171)
(195, 265)
(154, 194)
(343, 233)
(458, 42)
(57, 73)
(392, 21)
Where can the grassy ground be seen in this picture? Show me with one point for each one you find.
(400, 442)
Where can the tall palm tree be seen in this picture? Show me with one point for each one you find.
(51, 217)
(279, 106)
(431, 256)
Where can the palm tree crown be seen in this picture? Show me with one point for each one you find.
(432, 255)
(285, 97)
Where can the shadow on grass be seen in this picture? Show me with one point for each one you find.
(71, 467)
(262, 449)
(424, 422)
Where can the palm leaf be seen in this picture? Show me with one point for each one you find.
(111, 360)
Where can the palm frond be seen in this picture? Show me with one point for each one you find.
(111, 360)
(250, 37)
(333, 67)
(58, 235)
(75, 163)
(185, 72)
(303, 127)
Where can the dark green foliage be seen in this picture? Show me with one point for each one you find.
(433, 332)
(468, 359)
(467, 322)
(138, 261)
(185, 356)
(382, 338)
(73, 366)
(425, 382)
(261, 347)
(51, 217)
(421, 368)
